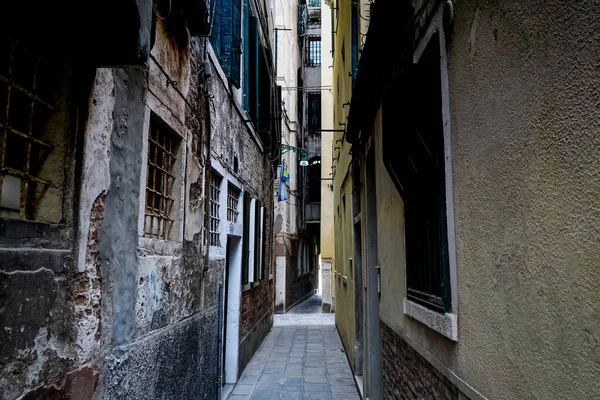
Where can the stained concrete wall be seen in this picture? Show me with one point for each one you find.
(232, 139)
(524, 145)
(96, 309)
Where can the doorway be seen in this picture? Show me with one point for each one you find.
(373, 380)
(231, 308)
(358, 271)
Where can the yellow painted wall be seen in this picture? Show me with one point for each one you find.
(343, 221)
(525, 142)
(327, 139)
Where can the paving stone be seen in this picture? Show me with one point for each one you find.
(314, 370)
(315, 387)
(243, 389)
(316, 396)
(315, 378)
(265, 395)
(239, 397)
(300, 358)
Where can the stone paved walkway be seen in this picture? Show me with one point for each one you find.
(301, 358)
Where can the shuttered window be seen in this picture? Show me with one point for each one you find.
(226, 38)
(414, 155)
(254, 241)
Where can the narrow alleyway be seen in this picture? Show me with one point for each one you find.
(301, 358)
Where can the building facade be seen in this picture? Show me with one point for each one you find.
(466, 246)
(297, 197)
(136, 202)
(327, 144)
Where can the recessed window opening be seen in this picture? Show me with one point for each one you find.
(214, 220)
(314, 52)
(163, 145)
(24, 112)
(233, 196)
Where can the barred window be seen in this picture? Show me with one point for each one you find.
(162, 150)
(233, 195)
(314, 52)
(215, 191)
(23, 116)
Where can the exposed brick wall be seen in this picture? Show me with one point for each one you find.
(256, 302)
(407, 375)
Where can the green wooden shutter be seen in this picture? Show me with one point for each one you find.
(236, 44)
(216, 29)
(253, 49)
(246, 43)
(225, 35)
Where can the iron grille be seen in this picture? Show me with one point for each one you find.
(162, 149)
(23, 115)
(215, 191)
(314, 52)
(233, 195)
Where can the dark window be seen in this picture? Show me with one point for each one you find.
(314, 111)
(414, 156)
(226, 37)
(162, 151)
(233, 196)
(24, 112)
(214, 207)
(314, 52)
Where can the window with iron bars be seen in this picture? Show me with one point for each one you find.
(24, 86)
(314, 52)
(233, 195)
(214, 221)
(163, 145)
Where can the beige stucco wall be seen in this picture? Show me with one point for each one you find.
(524, 83)
(327, 138)
(343, 222)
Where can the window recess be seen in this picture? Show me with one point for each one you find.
(414, 155)
(24, 111)
(163, 145)
(214, 208)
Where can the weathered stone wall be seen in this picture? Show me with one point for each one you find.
(407, 375)
(233, 139)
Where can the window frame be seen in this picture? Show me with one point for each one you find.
(317, 61)
(443, 321)
(214, 208)
(172, 214)
(27, 179)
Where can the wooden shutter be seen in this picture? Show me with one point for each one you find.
(236, 44)
(257, 248)
(253, 44)
(246, 53)
(252, 242)
(263, 243)
(246, 239)
(216, 29)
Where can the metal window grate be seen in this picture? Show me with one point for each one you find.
(314, 52)
(23, 114)
(233, 195)
(215, 191)
(162, 148)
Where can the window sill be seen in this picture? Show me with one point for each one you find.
(446, 324)
(159, 247)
